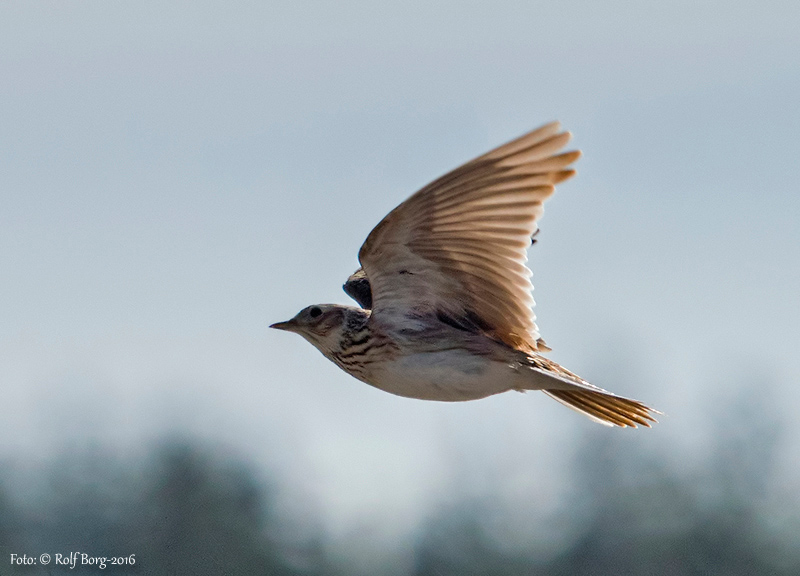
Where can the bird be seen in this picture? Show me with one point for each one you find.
(445, 307)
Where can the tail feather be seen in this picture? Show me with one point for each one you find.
(576, 393)
(606, 408)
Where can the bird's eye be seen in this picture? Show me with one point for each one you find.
(315, 311)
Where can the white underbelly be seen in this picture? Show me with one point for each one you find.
(451, 376)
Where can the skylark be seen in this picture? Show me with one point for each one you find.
(445, 294)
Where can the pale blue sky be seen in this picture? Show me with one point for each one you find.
(175, 177)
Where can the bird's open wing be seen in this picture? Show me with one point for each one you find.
(457, 248)
(358, 288)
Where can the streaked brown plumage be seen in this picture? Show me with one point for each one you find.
(446, 295)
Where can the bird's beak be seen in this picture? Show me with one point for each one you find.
(289, 325)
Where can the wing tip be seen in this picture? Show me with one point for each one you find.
(562, 175)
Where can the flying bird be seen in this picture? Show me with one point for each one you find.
(445, 294)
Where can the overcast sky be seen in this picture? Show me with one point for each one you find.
(174, 177)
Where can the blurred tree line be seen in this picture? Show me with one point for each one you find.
(188, 509)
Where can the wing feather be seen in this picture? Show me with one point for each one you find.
(459, 245)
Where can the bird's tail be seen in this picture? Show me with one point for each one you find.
(574, 392)
(605, 408)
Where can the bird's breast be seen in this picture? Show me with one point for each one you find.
(448, 375)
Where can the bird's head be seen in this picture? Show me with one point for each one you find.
(320, 324)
